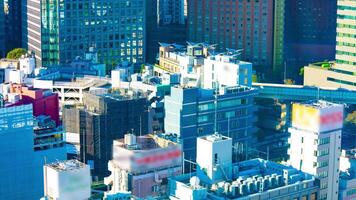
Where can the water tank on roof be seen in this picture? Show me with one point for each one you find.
(258, 185)
(280, 181)
(243, 189)
(264, 185)
(272, 182)
(130, 139)
(251, 187)
(234, 190)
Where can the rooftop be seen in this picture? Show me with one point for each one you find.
(252, 177)
(67, 165)
(319, 104)
(215, 138)
(146, 142)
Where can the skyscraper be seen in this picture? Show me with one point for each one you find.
(342, 73)
(315, 143)
(40, 30)
(246, 25)
(59, 31)
(13, 24)
(165, 22)
(345, 40)
(310, 31)
(2, 29)
(26, 146)
(170, 12)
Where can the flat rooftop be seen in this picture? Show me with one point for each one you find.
(145, 143)
(215, 138)
(319, 104)
(67, 165)
(252, 174)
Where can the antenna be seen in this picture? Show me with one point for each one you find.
(216, 107)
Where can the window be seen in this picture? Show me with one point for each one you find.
(323, 164)
(323, 186)
(204, 107)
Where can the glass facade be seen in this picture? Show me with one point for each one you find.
(21, 169)
(114, 28)
(2, 29)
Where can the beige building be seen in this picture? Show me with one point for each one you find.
(325, 74)
(343, 72)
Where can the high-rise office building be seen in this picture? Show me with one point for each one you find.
(40, 30)
(192, 112)
(59, 31)
(13, 24)
(342, 73)
(345, 43)
(165, 22)
(104, 118)
(315, 143)
(27, 144)
(310, 31)
(246, 25)
(278, 36)
(170, 12)
(2, 29)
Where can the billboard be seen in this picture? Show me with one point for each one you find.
(317, 119)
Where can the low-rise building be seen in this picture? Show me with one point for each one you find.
(67, 180)
(218, 178)
(200, 66)
(143, 164)
(347, 184)
(327, 74)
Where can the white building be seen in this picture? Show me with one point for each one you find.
(347, 186)
(199, 67)
(67, 180)
(27, 64)
(141, 165)
(217, 178)
(225, 70)
(70, 92)
(315, 143)
(214, 155)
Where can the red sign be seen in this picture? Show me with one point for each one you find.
(331, 118)
(160, 157)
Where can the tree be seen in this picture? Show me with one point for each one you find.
(16, 53)
(301, 71)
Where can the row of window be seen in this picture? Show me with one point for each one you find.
(341, 81)
(324, 163)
